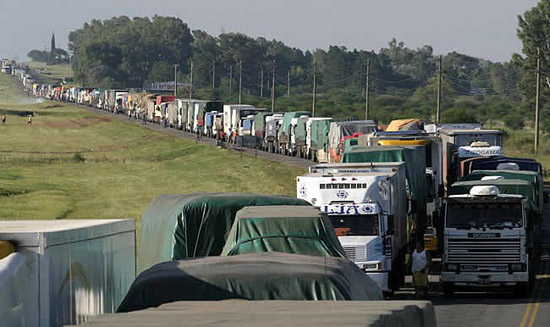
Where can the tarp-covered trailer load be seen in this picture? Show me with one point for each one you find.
(414, 158)
(233, 313)
(339, 130)
(317, 138)
(257, 276)
(298, 136)
(505, 186)
(65, 271)
(492, 163)
(528, 176)
(272, 125)
(260, 126)
(412, 124)
(286, 229)
(148, 104)
(284, 132)
(181, 226)
(172, 114)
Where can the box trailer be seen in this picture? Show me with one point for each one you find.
(73, 269)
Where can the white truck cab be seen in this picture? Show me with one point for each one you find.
(486, 241)
(367, 205)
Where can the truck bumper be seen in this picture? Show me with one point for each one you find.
(484, 279)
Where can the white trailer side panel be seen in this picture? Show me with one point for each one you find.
(79, 268)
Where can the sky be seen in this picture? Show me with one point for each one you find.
(481, 28)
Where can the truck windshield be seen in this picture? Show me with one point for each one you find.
(364, 225)
(488, 215)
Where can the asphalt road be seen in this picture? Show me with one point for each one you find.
(496, 309)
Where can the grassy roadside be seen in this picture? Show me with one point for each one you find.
(73, 164)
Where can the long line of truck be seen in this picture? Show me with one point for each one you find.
(436, 182)
(383, 189)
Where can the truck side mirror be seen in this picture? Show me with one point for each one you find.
(391, 224)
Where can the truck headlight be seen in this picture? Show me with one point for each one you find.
(452, 267)
(516, 267)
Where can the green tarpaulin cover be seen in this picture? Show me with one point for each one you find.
(505, 186)
(300, 131)
(179, 226)
(287, 229)
(350, 144)
(259, 122)
(319, 133)
(529, 176)
(414, 158)
(257, 276)
(284, 130)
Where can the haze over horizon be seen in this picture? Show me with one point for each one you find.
(484, 29)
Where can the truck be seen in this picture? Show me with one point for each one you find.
(298, 136)
(434, 167)
(461, 144)
(317, 138)
(490, 236)
(272, 125)
(200, 109)
(284, 132)
(7, 66)
(340, 130)
(259, 128)
(367, 205)
(232, 114)
(414, 158)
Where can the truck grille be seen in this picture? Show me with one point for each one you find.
(483, 251)
(356, 253)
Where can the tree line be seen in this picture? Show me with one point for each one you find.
(124, 52)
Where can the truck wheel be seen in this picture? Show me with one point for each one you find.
(448, 289)
(522, 290)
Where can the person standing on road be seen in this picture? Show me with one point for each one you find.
(3, 119)
(421, 262)
(29, 120)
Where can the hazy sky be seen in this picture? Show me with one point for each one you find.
(483, 28)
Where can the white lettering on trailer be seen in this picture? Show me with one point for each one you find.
(351, 209)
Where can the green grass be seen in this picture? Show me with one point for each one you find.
(74, 164)
(50, 74)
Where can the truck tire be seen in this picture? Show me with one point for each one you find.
(448, 289)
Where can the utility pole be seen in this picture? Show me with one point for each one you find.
(537, 105)
(288, 83)
(176, 80)
(367, 91)
(230, 80)
(191, 82)
(262, 83)
(438, 110)
(240, 82)
(273, 88)
(213, 74)
(314, 89)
